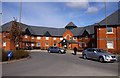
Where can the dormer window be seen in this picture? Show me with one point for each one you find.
(86, 37)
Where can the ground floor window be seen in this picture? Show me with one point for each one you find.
(32, 44)
(110, 44)
(46, 44)
(38, 44)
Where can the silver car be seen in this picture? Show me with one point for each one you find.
(55, 49)
(98, 54)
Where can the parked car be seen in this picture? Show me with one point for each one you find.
(98, 54)
(55, 49)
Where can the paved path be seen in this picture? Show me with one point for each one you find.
(51, 64)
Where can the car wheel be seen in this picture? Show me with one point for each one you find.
(59, 51)
(48, 51)
(84, 56)
(101, 59)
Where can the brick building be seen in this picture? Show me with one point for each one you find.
(71, 36)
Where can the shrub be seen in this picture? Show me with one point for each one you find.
(4, 55)
(16, 54)
(20, 54)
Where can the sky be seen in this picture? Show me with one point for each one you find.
(57, 14)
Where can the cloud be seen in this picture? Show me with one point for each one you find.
(92, 9)
(78, 5)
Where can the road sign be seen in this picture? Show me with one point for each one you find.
(9, 54)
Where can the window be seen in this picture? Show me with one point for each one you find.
(65, 37)
(4, 44)
(93, 36)
(70, 38)
(86, 37)
(47, 38)
(32, 37)
(38, 38)
(74, 38)
(32, 44)
(46, 44)
(61, 38)
(26, 36)
(80, 38)
(109, 30)
(54, 38)
(110, 45)
(38, 44)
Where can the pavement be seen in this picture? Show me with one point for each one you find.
(54, 64)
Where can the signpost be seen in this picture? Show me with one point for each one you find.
(9, 55)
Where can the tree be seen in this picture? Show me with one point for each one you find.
(15, 33)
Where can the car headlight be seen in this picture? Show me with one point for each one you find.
(107, 56)
(62, 50)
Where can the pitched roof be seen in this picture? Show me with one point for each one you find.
(42, 30)
(70, 25)
(80, 30)
(89, 29)
(77, 31)
(6, 26)
(113, 19)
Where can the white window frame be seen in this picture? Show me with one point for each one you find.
(109, 32)
(26, 36)
(74, 38)
(38, 37)
(54, 38)
(32, 37)
(4, 44)
(38, 45)
(32, 44)
(110, 44)
(47, 38)
(61, 38)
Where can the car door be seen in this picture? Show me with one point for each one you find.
(93, 54)
(89, 53)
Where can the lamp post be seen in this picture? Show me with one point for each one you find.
(106, 25)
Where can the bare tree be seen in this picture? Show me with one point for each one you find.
(15, 33)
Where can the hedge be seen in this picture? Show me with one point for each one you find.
(18, 54)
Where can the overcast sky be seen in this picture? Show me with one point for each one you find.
(57, 14)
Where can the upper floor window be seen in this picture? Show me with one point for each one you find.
(26, 36)
(80, 38)
(74, 38)
(47, 38)
(86, 37)
(109, 30)
(54, 38)
(70, 38)
(32, 37)
(93, 36)
(38, 38)
(61, 38)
